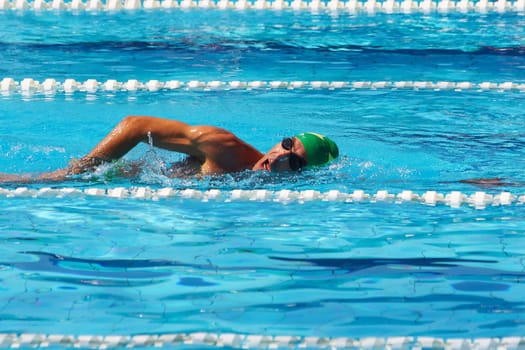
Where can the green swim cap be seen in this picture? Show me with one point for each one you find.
(319, 149)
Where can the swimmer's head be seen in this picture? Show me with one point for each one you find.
(296, 153)
(319, 149)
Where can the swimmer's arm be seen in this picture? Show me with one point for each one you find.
(168, 134)
(199, 142)
(57, 175)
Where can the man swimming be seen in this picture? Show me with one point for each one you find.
(210, 150)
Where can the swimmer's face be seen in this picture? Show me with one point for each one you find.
(287, 155)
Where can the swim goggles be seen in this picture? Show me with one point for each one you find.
(296, 162)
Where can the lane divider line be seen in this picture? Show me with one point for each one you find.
(50, 87)
(352, 7)
(454, 199)
(248, 341)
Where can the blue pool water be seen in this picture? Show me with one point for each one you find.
(88, 265)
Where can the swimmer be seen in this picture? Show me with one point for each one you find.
(210, 150)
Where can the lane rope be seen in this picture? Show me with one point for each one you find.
(350, 6)
(51, 87)
(454, 199)
(232, 340)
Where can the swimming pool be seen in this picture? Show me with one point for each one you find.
(385, 247)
